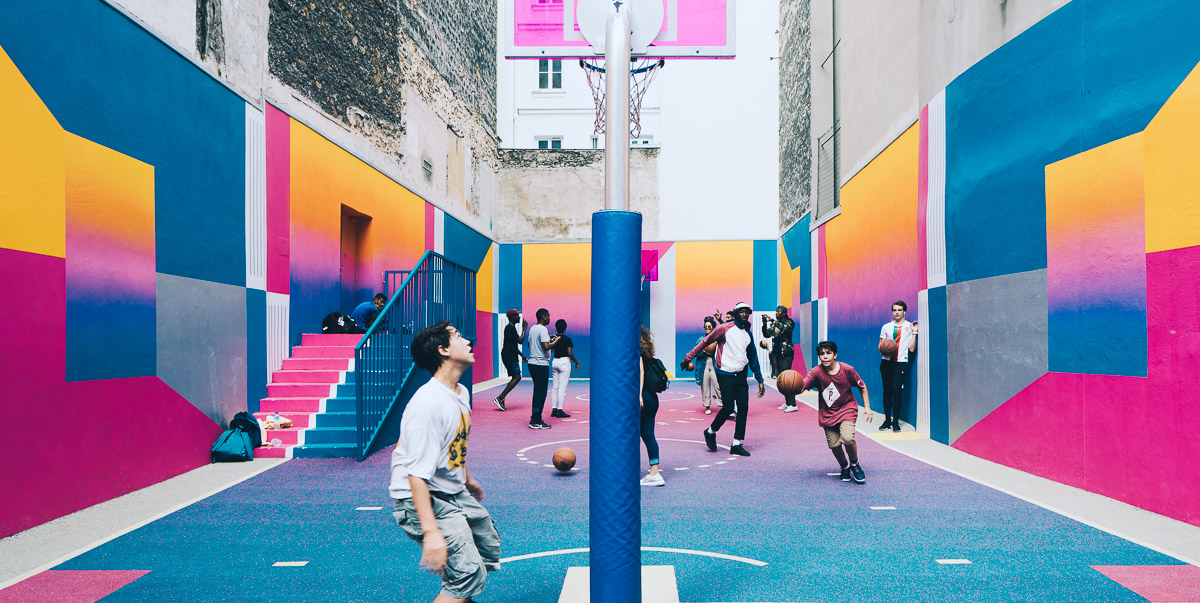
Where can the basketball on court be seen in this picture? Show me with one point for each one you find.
(789, 382)
(564, 459)
(888, 348)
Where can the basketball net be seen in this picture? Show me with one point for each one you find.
(641, 73)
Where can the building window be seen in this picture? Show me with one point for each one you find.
(550, 74)
(550, 142)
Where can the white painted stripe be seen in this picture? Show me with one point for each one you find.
(681, 468)
(289, 564)
(655, 549)
(880, 508)
(935, 204)
(923, 359)
(953, 561)
(83, 549)
(369, 509)
(256, 198)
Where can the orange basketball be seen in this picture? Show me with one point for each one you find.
(711, 348)
(789, 382)
(564, 459)
(888, 348)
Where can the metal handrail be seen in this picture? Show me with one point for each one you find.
(437, 289)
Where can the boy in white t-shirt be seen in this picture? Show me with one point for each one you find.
(893, 369)
(435, 499)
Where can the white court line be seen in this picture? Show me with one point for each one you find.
(655, 549)
(87, 547)
(369, 509)
(587, 398)
(289, 564)
(953, 561)
(882, 508)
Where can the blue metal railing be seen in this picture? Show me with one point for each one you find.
(437, 289)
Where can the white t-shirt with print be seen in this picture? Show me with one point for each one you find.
(537, 335)
(433, 440)
(901, 333)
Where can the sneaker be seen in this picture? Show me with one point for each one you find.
(499, 402)
(538, 425)
(653, 480)
(845, 474)
(856, 472)
(791, 409)
(559, 414)
(738, 450)
(710, 440)
(782, 406)
(707, 410)
(896, 427)
(887, 424)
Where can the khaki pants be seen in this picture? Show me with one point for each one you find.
(472, 543)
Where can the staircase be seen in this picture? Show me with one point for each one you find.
(315, 389)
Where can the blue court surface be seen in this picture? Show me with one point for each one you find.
(771, 527)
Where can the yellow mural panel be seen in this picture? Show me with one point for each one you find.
(1172, 147)
(32, 169)
(787, 279)
(483, 282)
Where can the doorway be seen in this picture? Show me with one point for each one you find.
(355, 280)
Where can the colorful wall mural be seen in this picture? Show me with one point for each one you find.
(1044, 211)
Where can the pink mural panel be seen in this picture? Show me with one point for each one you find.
(70, 586)
(279, 174)
(485, 368)
(1113, 435)
(923, 200)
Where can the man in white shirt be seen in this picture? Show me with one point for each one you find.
(894, 368)
(540, 342)
(734, 356)
(435, 499)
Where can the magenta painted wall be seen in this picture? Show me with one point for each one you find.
(279, 174)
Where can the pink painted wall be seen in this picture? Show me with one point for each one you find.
(279, 175)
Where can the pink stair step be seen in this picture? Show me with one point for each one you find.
(271, 452)
(316, 364)
(323, 351)
(299, 390)
(323, 339)
(289, 437)
(300, 420)
(326, 377)
(289, 405)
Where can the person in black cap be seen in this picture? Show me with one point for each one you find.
(735, 353)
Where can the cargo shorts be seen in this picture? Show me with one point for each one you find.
(472, 542)
(842, 433)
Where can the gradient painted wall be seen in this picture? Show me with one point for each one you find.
(872, 253)
(709, 275)
(1070, 178)
(558, 277)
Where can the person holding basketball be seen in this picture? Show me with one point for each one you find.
(706, 375)
(893, 368)
(837, 409)
(734, 355)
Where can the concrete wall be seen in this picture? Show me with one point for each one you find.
(551, 195)
(795, 111)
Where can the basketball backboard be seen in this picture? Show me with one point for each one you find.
(540, 29)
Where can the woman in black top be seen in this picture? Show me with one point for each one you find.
(648, 414)
(560, 367)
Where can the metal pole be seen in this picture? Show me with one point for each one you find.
(617, 46)
(615, 496)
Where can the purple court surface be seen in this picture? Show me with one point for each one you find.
(775, 526)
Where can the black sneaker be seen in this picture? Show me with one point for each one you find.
(710, 440)
(499, 402)
(845, 474)
(896, 427)
(559, 414)
(886, 425)
(856, 472)
(538, 425)
(738, 450)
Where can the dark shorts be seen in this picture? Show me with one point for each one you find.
(511, 365)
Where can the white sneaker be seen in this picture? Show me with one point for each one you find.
(653, 480)
(782, 406)
(791, 409)
(707, 410)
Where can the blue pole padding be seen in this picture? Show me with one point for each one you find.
(615, 515)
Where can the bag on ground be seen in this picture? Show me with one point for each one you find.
(247, 423)
(336, 323)
(233, 446)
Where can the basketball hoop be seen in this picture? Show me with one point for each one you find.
(641, 73)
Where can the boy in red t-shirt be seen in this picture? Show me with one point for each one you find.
(837, 409)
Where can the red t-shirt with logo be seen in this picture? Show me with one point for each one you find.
(837, 401)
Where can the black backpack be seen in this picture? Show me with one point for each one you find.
(336, 323)
(247, 423)
(237, 443)
(656, 375)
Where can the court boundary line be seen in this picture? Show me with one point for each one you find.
(653, 549)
